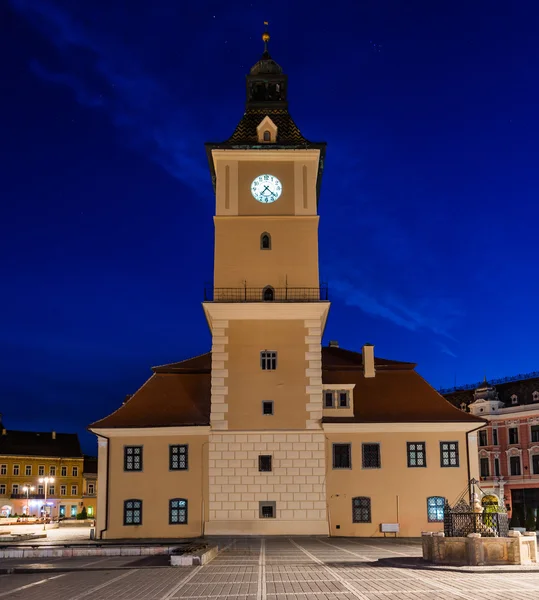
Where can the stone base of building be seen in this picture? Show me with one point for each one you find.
(266, 527)
(475, 550)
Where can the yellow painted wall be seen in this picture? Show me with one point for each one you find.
(248, 385)
(293, 257)
(394, 484)
(155, 486)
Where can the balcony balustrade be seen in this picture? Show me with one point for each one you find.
(266, 294)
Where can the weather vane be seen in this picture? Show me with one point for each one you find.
(266, 36)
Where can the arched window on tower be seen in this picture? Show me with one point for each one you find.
(265, 241)
(267, 136)
(268, 295)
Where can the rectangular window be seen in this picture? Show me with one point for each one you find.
(535, 464)
(41, 470)
(28, 470)
(41, 490)
(63, 490)
(514, 465)
(264, 463)
(361, 510)
(435, 509)
(75, 471)
(51, 490)
(74, 490)
(343, 400)
(417, 456)
(483, 441)
(90, 511)
(497, 467)
(267, 407)
(485, 467)
(495, 437)
(73, 510)
(513, 435)
(328, 399)
(15, 488)
(64, 471)
(268, 360)
(449, 454)
(91, 489)
(3, 469)
(52, 471)
(535, 433)
(177, 511)
(177, 457)
(16, 469)
(2, 489)
(266, 510)
(371, 456)
(133, 458)
(342, 456)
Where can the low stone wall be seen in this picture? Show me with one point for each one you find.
(475, 550)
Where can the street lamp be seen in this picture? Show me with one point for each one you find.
(28, 489)
(46, 481)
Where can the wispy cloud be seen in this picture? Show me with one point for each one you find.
(446, 350)
(105, 75)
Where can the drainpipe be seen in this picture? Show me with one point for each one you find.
(106, 488)
(468, 460)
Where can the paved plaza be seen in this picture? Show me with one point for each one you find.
(272, 569)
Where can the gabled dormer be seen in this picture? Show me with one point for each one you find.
(267, 131)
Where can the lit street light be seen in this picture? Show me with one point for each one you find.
(46, 481)
(28, 489)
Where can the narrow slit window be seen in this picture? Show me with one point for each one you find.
(267, 136)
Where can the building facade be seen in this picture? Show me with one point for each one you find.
(271, 433)
(27, 459)
(509, 445)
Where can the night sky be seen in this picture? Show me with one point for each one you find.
(429, 229)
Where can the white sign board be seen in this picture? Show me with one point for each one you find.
(389, 527)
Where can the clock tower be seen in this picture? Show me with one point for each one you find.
(266, 311)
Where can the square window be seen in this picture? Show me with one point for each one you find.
(132, 512)
(361, 510)
(132, 458)
(417, 455)
(449, 454)
(371, 456)
(264, 463)
(343, 400)
(267, 510)
(268, 360)
(342, 456)
(267, 407)
(328, 399)
(177, 511)
(178, 457)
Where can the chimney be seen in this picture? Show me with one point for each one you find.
(54, 435)
(333, 344)
(368, 360)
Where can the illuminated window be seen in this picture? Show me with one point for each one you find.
(268, 360)
(133, 512)
(371, 456)
(178, 458)
(435, 509)
(133, 458)
(449, 454)
(417, 455)
(361, 509)
(177, 511)
(90, 511)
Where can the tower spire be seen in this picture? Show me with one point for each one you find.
(266, 37)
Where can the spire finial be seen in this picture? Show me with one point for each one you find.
(266, 36)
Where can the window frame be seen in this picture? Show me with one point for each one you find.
(409, 452)
(509, 430)
(3, 489)
(179, 454)
(74, 471)
(126, 455)
(482, 436)
(368, 508)
(495, 436)
(363, 457)
(484, 460)
(270, 403)
(14, 488)
(76, 488)
(18, 468)
(41, 490)
(519, 463)
(496, 467)
(171, 509)
(262, 236)
(265, 458)
(139, 508)
(346, 394)
(91, 489)
(457, 452)
(28, 470)
(52, 471)
(534, 463)
(3, 469)
(436, 507)
(63, 471)
(41, 470)
(534, 429)
(268, 360)
(333, 455)
(63, 490)
(52, 490)
(267, 504)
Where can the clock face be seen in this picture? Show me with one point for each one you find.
(266, 188)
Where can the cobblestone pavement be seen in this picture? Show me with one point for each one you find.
(280, 569)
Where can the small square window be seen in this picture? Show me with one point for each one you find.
(267, 407)
(266, 510)
(178, 458)
(268, 360)
(132, 458)
(264, 463)
(343, 400)
(328, 400)
(63, 490)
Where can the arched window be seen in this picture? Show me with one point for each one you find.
(361, 509)
(268, 295)
(435, 509)
(265, 241)
(177, 511)
(267, 136)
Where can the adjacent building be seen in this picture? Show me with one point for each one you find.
(42, 473)
(269, 432)
(509, 445)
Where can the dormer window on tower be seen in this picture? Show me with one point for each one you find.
(267, 131)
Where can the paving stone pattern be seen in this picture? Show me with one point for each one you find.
(278, 569)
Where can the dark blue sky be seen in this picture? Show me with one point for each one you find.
(429, 207)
